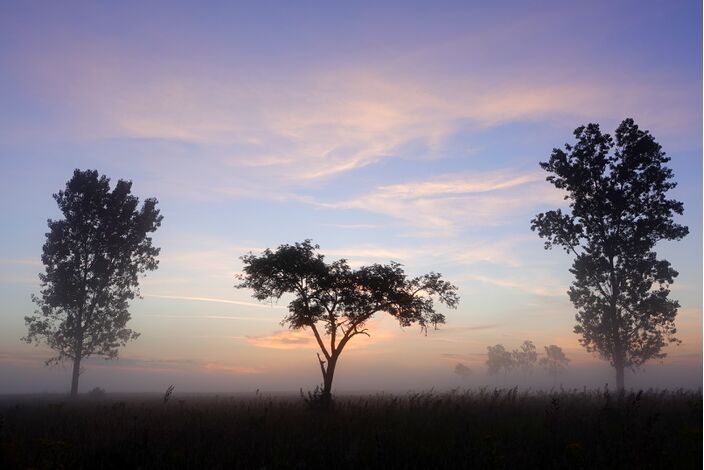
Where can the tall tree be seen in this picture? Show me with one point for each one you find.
(618, 211)
(93, 258)
(525, 357)
(554, 362)
(498, 359)
(336, 301)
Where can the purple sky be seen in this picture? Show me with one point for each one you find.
(402, 131)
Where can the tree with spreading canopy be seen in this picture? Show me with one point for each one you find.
(93, 258)
(336, 301)
(618, 211)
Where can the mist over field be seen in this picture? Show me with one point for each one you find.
(126, 375)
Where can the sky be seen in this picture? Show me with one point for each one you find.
(405, 131)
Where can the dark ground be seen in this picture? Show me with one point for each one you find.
(473, 429)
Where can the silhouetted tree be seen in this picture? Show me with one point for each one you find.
(525, 357)
(462, 370)
(334, 300)
(554, 362)
(618, 211)
(498, 359)
(93, 258)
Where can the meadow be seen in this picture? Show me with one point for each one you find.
(485, 428)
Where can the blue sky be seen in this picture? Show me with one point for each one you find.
(404, 131)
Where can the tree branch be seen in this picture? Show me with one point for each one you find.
(352, 331)
(319, 340)
(333, 332)
(322, 366)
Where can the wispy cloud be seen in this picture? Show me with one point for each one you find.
(360, 254)
(209, 299)
(446, 203)
(211, 317)
(378, 327)
(498, 250)
(531, 287)
(455, 329)
(322, 120)
(284, 339)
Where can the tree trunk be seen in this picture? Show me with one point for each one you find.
(327, 379)
(76, 373)
(619, 364)
(619, 376)
(619, 346)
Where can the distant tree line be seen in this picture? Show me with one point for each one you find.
(525, 359)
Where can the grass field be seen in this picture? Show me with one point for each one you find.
(461, 429)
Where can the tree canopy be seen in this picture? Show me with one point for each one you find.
(336, 301)
(498, 359)
(525, 357)
(616, 190)
(93, 258)
(554, 362)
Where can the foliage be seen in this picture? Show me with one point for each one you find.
(93, 258)
(335, 300)
(462, 429)
(525, 358)
(618, 211)
(554, 362)
(499, 359)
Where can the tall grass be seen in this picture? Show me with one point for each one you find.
(462, 429)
